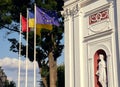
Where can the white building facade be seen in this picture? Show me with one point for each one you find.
(92, 27)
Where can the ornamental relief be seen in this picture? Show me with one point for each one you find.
(99, 21)
(102, 15)
(71, 11)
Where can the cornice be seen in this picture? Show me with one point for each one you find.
(98, 9)
(72, 3)
(97, 35)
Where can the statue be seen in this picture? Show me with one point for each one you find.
(101, 72)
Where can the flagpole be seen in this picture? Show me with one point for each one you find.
(19, 63)
(26, 76)
(35, 46)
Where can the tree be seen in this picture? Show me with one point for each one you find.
(49, 45)
(9, 84)
(60, 75)
(12, 84)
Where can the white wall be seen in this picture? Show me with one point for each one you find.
(82, 40)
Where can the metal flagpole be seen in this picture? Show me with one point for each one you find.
(35, 46)
(19, 63)
(26, 79)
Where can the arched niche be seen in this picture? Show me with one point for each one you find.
(96, 60)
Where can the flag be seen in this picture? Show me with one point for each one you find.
(42, 26)
(24, 24)
(44, 17)
(30, 19)
(52, 14)
(43, 20)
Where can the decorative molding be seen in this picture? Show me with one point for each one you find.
(99, 27)
(99, 16)
(86, 2)
(106, 6)
(98, 19)
(70, 3)
(97, 35)
(71, 11)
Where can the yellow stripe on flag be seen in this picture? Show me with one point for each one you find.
(40, 26)
(31, 22)
(46, 26)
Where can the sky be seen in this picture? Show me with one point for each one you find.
(9, 61)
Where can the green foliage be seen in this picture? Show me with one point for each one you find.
(49, 41)
(9, 84)
(5, 17)
(48, 4)
(60, 3)
(12, 84)
(18, 6)
(61, 76)
(10, 13)
(10, 9)
(45, 70)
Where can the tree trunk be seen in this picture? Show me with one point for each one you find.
(44, 81)
(52, 70)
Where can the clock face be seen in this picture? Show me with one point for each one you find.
(98, 22)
